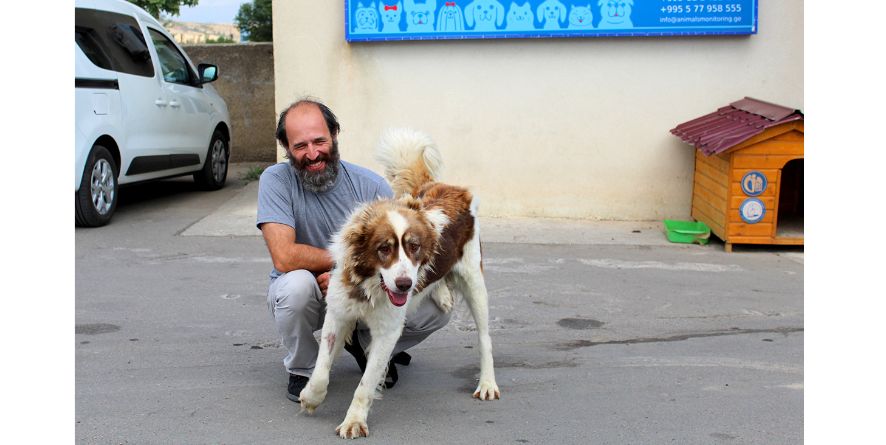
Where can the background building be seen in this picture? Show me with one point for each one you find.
(573, 127)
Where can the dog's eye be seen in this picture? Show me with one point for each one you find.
(413, 247)
(385, 249)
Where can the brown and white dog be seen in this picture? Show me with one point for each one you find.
(389, 256)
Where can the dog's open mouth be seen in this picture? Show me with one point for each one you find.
(397, 298)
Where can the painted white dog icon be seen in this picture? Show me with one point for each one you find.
(390, 16)
(420, 16)
(550, 13)
(615, 14)
(520, 17)
(450, 17)
(484, 15)
(367, 18)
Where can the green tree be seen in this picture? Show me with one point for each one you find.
(221, 39)
(155, 7)
(255, 21)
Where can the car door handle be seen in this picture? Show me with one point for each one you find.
(160, 103)
(174, 104)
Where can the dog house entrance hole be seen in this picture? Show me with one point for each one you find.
(790, 201)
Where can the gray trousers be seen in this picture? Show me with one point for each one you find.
(297, 306)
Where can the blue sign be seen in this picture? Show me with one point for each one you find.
(753, 183)
(752, 210)
(381, 20)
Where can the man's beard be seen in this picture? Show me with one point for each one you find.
(320, 181)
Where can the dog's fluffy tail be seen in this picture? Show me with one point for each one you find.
(410, 159)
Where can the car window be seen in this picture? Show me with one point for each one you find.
(112, 41)
(173, 64)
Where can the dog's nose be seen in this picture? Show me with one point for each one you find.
(403, 283)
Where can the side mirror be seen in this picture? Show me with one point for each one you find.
(208, 73)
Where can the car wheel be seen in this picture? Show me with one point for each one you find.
(96, 199)
(215, 169)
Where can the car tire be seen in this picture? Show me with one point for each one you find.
(96, 200)
(215, 168)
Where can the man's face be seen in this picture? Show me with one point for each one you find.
(313, 152)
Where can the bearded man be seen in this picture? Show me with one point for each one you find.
(301, 204)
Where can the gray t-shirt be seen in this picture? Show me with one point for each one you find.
(315, 216)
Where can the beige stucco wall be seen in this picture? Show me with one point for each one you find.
(573, 128)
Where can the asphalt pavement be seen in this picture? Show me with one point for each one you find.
(603, 333)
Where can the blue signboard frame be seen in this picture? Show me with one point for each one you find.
(385, 20)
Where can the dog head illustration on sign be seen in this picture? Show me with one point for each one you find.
(420, 16)
(581, 17)
(390, 16)
(615, 14)
(450, 17)
(487, 14)
(367, 18)
(550, 13)
(520, 18)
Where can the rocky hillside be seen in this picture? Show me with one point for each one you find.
(192, 32)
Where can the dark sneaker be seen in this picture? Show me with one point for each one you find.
(401, 358)
(296, 384)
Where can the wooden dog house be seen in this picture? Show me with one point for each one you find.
(748, 185)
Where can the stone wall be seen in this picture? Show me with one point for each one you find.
(246, 82)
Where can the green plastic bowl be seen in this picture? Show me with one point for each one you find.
(687, 232)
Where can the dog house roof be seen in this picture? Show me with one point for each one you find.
(733, 124)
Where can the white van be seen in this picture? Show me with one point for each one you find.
(143, 111)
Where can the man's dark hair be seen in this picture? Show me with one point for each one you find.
(328, 115)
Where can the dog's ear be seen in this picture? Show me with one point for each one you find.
(355, 240)
(500, 13)
(562, 11)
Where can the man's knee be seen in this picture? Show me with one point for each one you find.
(295, 291)
(428, 318)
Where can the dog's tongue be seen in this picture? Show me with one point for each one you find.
(397, 299)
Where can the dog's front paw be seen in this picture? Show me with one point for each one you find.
(352, 429)
(487, 390)
(310, 398)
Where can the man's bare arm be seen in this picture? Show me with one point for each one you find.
(288, 256)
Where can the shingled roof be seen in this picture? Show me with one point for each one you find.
(733, 124)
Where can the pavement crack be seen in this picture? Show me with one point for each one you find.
(575, 344)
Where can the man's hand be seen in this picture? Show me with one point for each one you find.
(323, 282)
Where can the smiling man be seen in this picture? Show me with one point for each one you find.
(300, 205)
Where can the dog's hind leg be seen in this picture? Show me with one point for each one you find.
(332, 338)
(473, 289)
(443, 297)
(385, 333)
